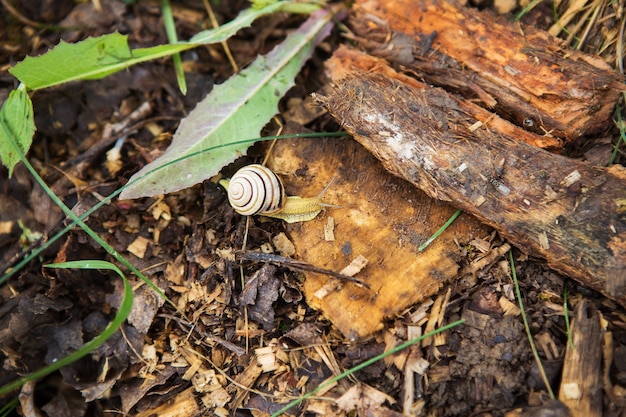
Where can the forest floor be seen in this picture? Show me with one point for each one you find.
(245, 338)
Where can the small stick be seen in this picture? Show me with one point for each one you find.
(293, 264)
(224, 343)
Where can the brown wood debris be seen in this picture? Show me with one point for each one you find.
(581, 384)
(523, 74)
(380, 218)
(456, 151)
(561, 209)
(346, 59)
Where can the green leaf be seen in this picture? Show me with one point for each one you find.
(67, 62)
(235, 110)
(99, 57)
(247, 16)
(90, 59)
(122, 313)
(17, 127)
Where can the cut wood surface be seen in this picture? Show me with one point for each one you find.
(570, 213)
(381, 218)
(581, 384)
(525, 74)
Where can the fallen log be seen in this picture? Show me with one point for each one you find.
(563, 210)
(525, 75)
(344, 59)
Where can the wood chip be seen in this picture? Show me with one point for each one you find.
(283, 245)
(329, 229)
(138, 247)
(355, 266)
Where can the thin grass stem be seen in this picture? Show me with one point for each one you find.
(527, 327)
(438, 232)
(364, 365)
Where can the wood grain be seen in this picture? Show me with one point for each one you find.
(380, 217)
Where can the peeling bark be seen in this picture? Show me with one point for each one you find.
(523, 74)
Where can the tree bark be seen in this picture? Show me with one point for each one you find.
(523, 74)
(571, 214)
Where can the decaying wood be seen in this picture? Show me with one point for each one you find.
(382, 218)
(570, 213)
(581, 384)
(456, 151)
(524, 74)
(346, 59)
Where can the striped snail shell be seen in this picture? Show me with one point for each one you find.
(255, 189)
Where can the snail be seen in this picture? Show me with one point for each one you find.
(257, 190)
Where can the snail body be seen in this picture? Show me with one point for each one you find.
(300, 209)
(256, 190)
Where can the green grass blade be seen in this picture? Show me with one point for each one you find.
(366, 364)
(438, 232)
(622, 135)
(9, 408)
(122, 313)
(170, 30)
(527, 327)
(568, 329)
(526, 9)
